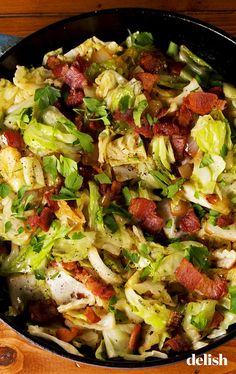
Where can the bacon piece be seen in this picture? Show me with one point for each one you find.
(67, 335)
(75, 97)
(165, 128)
(153, 224)
(178, 343)
(217, 90)
(91, 316)
(45, 219)
(203, 102)
(224, 221)
(212, 198)
(178, 143)
(140, 208)
(147, 80)
(190, 222)
(97, 286)
(151, 62)
(33, 221)
(81, 63)
(185, 116)
(145, 129)
(175, 67)
(134, 338)
(74, 78)
(175, 319)
(187, 275)
(43, 311)
(13, 138)
(52, 62)
(144, 211)
(124, 117)
(220, 104)
(216, 320)
(70, 266)
(53, 205)
(60, 70)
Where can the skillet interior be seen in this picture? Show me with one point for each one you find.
(215, 46)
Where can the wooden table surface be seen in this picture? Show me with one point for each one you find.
(22, 17)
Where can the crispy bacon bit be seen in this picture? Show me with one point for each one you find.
(97, 286)
(203, 102)
(45, 219)
(60, 70)
(13, 138)
(124, 117)
(178, 143)
(212, 198)
(217, 90)
(81, 63)
(75, 97)
(217, 319)
(220, 104)
(67, 335)
(53, 205)
(151, 62)
(187, 275)
(70, 266)
(144, 211)
(224, 221)
(134, 338)
(145, 129)
(42, 311)
(165, 128)
(178, 343)
(74, 78)
(109, 192)
(147, 80)
(175, 67)
(190, 222)
(33, 221)
(115, 188)
(91, 316)
(185, 116)
(52, 62)
(175, 319)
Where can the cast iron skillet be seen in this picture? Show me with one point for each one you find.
(210, 43)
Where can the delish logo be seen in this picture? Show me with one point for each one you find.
(207, 360)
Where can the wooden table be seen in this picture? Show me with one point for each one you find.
(21, 17)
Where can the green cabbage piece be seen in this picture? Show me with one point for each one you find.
(8, 92)
(126, 149)
(197, 317)
(116, 340)
(211, 135)
(205, 178)
(35, 255)
(95, 210)
(129, 90)
(162, 151)
(153, 314)
(73, 249)
(45, 333)
(44, 139)
(91, 45)
(20, 114)
(29, 79)
(107, 81)
(140, 40)
(114, 243)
